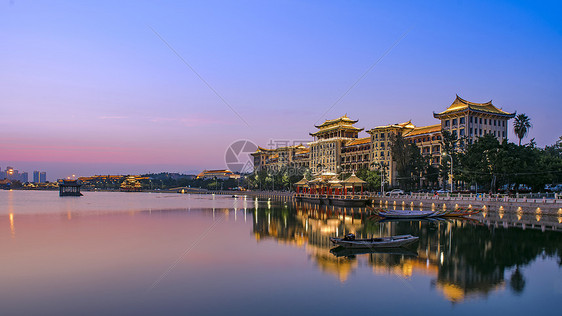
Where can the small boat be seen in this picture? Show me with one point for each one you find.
(349, 241)
(406, 214)
(351, 252)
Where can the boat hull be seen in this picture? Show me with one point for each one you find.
(385, 242)
(406, 214)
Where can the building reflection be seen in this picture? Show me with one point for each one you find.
(466, 258)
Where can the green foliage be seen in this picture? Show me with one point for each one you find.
(411, 165)
(372, 177)
(494, 165)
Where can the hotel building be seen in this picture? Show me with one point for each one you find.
(337, 147)
(470, 120)
(274, 159)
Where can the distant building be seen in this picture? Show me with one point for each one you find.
(273, 159)
(24, 177)
(42, 177)
(35, 176)
(222, 174)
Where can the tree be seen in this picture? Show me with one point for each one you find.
(410, 163)
(521, 126)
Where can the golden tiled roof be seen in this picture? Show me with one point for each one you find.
(461, 104)
(300, 147)
(340, 120)
(403, 125)
(336, 127)
(424, 130)
(358, 141)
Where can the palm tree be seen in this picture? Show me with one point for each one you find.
(521, 126)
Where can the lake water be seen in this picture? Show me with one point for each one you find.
(146, 254)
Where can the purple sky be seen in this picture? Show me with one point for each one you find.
(91, 89)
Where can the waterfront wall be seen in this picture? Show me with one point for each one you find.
(493, 204)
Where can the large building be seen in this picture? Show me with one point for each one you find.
(470, 120)
(337, 147)
(329, 140)
(287, 156)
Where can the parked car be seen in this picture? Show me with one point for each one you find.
(442, 191)
(395, 192)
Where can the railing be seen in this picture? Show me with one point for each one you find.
(333, 196)
(545, 198)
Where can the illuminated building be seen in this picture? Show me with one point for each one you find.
(381, 154)
(355, 154)
(274, 159)
(222, 174)
(470, 120)
(132, 184)
(331, 137)
(337, 147)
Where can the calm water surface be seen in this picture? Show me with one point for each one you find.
(143, 254)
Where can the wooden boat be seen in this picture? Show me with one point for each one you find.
(459, 212)
(406, 214)
(349, 241)
(351, 252)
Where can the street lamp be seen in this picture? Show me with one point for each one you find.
(446, 154)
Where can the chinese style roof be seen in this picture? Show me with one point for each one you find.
(342, 120)
(424, 130)
(353, 179)
(302, 182)
(460, 104)
(299, 148)
(404, 125)
(358, 141)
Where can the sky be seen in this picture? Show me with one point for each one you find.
(127, 87)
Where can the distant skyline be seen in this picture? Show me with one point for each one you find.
(90, 88)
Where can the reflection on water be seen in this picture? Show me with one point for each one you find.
(111, 247)
(465, 257)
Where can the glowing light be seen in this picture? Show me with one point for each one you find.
(12, 225)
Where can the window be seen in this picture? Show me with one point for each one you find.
(494, 122)
(471, 119)
(462, 120)
(461, 131)
(480, 120)
(480, 132)
(503, 134)
(454, 122)
(470, 131)
(447, 123)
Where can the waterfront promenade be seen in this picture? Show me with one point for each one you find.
(524, 204)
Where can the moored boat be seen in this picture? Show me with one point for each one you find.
(351, 252)
(349, 241)
(406, 214)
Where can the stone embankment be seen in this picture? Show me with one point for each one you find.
(546, 206)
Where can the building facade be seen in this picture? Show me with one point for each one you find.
(337, 147)
(469, 120)
(297, 156)
(328, 142)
